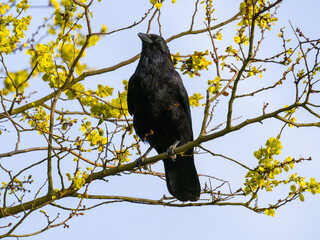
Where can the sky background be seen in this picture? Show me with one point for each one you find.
(294, 221)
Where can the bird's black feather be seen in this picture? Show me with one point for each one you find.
(159, 103)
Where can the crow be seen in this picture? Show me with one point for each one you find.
(159, 103)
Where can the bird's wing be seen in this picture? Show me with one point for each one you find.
(183, 95)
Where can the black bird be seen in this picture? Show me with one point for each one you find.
(159, 103)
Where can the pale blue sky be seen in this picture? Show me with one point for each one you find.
(294, 221)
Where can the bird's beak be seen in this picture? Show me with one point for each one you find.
(145, 38)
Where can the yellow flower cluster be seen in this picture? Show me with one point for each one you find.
(264, 175)
(79, 179)
(249, 8)
(214, 85)
(94, 136)
(268, 167)
(115, 108)
(193, 64)
(39, 120)
(123, 156)
(194, 99)
(43, 56)
(12, 28)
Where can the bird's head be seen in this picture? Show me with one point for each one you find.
(153, 44)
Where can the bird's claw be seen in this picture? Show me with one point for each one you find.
(170, 150)
(138, 162)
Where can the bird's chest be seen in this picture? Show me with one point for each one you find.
(157, 97)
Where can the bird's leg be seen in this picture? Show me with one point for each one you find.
(139, 161)
(170, 150)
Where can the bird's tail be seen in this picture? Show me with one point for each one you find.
(182, 178)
